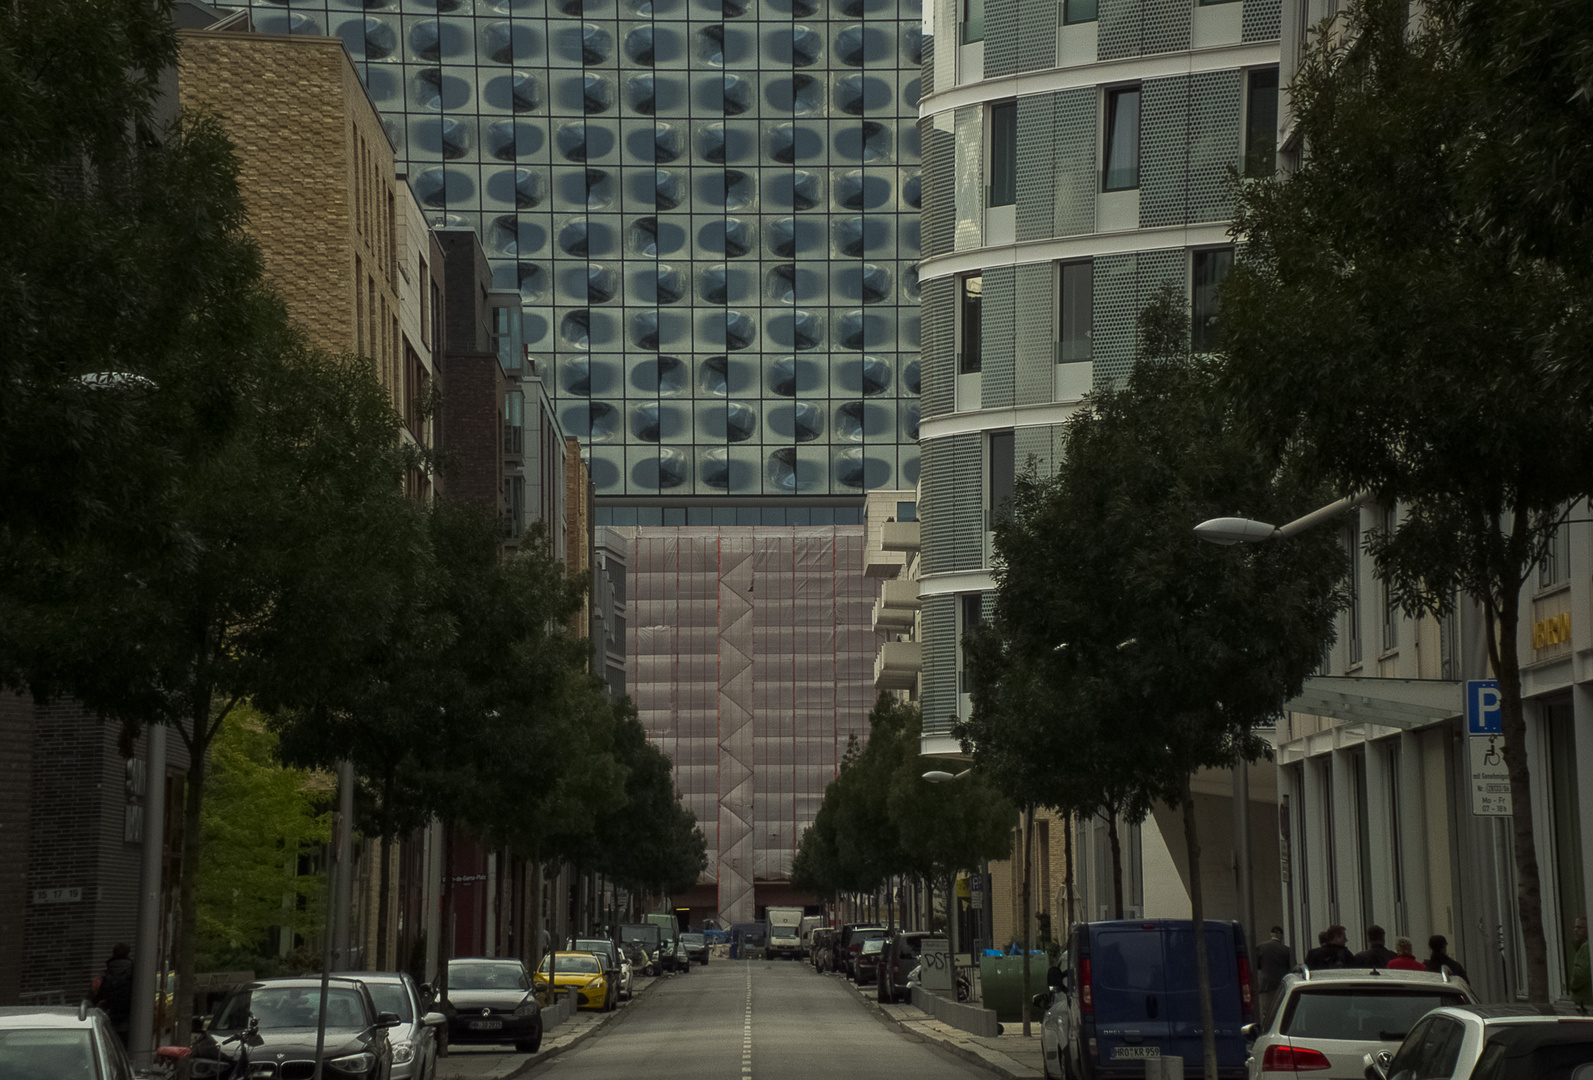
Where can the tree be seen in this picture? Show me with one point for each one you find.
(259, 819)
(1410, 315)
(1176, 649)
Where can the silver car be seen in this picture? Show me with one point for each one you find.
(415, 1036)
(1492, 1042)
(60, 1044)
(1327, 1022)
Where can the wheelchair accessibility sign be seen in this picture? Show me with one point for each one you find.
(1490, 781)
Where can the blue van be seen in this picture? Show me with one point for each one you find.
(1130, 994)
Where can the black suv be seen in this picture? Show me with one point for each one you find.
(898, 960)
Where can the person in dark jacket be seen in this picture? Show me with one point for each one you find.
(1376, 954)
(1332, 952)
(1440, 960)
(114, 997)
(1273, 960)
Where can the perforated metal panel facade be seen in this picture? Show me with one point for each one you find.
(1118, 34)
(1214, 114)
(1034, 334)
(1036, 210)
(969, 178)
(938, 699)
(1037, 34)
(1164, 151)
(1034, 448)
(1077, 175)
(1003, 26)
(939, 183)
(939, 368)
(1263, 19)
(709, 209)
(996, 382)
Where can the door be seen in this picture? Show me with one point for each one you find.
(1183, 995)
(1128, 973)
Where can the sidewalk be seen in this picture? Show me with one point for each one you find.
(504, 1062)
(1009, 1054)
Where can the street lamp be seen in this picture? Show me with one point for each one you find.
(941, 776)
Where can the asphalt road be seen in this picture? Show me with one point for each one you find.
(758, 1020)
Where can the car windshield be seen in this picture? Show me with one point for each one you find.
(292, 1007)
(485, 975)
(693, 940)
(391, 997)
(1556, 1051)
(1361, 1014)
(873, 946)
(574, 965)
(593, 945)
(46, 1054)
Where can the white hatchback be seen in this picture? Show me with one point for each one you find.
(1327, 1022)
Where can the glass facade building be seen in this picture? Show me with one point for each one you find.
(709, 209)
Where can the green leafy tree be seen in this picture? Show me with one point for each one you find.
(259, 819)
(1410, 315)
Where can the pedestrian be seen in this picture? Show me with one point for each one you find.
(1580, 985)
(1405, 957)
(1376, 954)
(114, 995)
(1440, 960)
(1274, 958)
(1332, 952)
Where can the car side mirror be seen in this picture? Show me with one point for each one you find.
(434, 1020)
(1377, 1065)
(1249, 1032)
(387, 1019)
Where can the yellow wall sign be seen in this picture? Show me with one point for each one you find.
(1551, 631)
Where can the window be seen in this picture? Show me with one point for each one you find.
(1122, 139)
(1390, 608)
(1208, 269)
(906, 511)
(969, 358)
(1004, 154)
(1353, 608)
(973, 21)
(1079, 11)
(1261, 123)
(1076, 319)
(1556, 564)
(972, 615)
(1003, 474)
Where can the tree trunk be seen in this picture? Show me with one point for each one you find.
(188, 880)
(1529, 887)
(1197, 913)
(1117, 863)
(1028, 863)
(1067, 874)
(382, 901)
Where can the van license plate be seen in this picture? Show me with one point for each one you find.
(1135, 1053)
(485, 1025)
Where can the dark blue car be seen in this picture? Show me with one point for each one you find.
(1130, 994)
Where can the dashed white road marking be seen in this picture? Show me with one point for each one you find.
(746, 1031)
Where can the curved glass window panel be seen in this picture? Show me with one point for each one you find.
(859, 330)
(533, 281)
(859, 190)
(646, 423)
(849, 422)
(641, 93)
(732, 236)
(806, 420)
(913, 39)
(652, 238)
(910, 142)
(713, 284)
(425, 40)
(731, 189)
(666, 189)
(856, 469)
(572, 140)
(912, 93)
(714, 376)
(782, 470)
(433, 90)
(601, 284)
(712, 143)
(729, 421)
(446, 136)
(639, 45)
(910, 281)
(598, 188)
(438, 187)
(800, 46)
(575, 329)
(711, 45)
(913, 190)
(737, 95)
(798, 189)
(716, 467)
(644, 330)
(868, 141)
(575, 375)
(857, 94)
(518, 91)
(662, 143)
(506, 42)
(665, 376)
(856, 236)
(598, 421)
(368, 38)
(868, 283)
(800, 330)
(670, 469)
(799, 95)
(912, 377)
(597, 94)
(792, 375)
(584, 44)
(780, 284)
(737, 329)
(789, 143)
(575, 239)
(910, 416)
(867, 375)
(511, 140)
(509, 236)
(789, 237)
(857, 45)
(287, 22)
(733, 9)
(801, 9)
(660, 285)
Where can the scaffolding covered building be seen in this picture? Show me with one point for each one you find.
(751, 658)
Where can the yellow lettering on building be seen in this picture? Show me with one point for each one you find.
(1551, 631)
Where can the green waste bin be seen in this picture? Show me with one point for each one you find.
(1001, 984)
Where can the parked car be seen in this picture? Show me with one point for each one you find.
(897, 961)
(852, 937)
(821, 949)
(287, 1012)
(1491, 1042)
(866, 971)
(491, 1000)
(415, 1036)
(585, 974)
(1129, 994)
(671, 957)
(1326, 1022)
(619, 964)
(696, 947)
(60, 1043)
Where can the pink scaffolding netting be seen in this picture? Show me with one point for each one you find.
(751, 661)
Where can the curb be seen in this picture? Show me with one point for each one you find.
(973, 1057)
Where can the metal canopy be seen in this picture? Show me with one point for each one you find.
(1398, 703)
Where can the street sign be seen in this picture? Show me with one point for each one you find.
(1490, 782)
(1483, 714)
(976, 886)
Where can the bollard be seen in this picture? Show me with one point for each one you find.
(1164, 1068)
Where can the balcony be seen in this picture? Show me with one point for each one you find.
(899, 536)
(897, 665)
(897, 607)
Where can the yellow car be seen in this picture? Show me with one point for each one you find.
(584, 973)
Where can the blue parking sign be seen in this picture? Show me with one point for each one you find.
(1483, 715)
